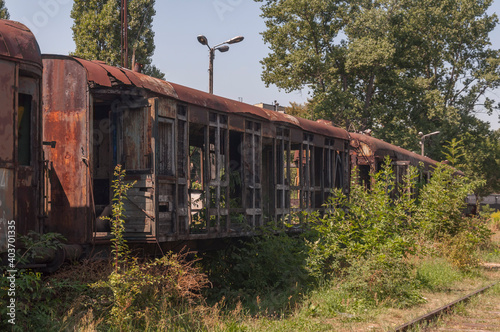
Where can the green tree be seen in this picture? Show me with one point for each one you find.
(3, 11)
(96, 31)
(396, 67)
(299, 110)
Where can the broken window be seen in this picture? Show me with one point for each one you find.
(341, 169)
(296, 178)
(209, 181)
(329, 168)
(252, 150)
(165, 146)
(308, 165)
(236, 211)
(197, 187)
(182, 175)
(218, 163)
(133, 136)
(282, 159)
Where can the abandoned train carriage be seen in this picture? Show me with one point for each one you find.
(368, 154)
(21, 187)
(206, 167)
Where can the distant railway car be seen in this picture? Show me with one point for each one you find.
(205, 167)
(21, 187)
(368, 154)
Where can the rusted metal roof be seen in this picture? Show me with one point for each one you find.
(102, 74)
(17, 41)
(323, 129)
(204, 99)
(107, 76)
(381, 149)
(211, 101)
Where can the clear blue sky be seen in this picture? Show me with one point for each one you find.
(179, 55)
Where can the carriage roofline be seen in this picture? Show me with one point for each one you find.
(381, 149)
(18, 43)
(103, 75)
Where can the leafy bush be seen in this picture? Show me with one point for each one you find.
(442, 203)
(366, 239)
(265, 272)
(383, 280)
(370, 222)
(136, 288)
(38, 298)
(461, 250)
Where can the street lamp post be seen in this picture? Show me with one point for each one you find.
(423, 137)
(221, 48)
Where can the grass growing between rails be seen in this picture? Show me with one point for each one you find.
(371, 262)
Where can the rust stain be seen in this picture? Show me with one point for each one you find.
(20, 191)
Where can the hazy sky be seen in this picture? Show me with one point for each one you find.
(178, 53)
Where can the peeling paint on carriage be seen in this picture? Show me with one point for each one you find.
(66, 122)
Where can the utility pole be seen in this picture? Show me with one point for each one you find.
(124, 33)
(222, 48)
(422, 140)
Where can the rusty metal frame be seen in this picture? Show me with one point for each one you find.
(224, 122)
(252, 173)
(217, 168)
(182, 217)
(282, 179)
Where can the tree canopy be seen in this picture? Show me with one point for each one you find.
(96, 32)
(397, 67)
(385, 65)
(3, 10)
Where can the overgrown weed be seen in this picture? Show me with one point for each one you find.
(377, 250)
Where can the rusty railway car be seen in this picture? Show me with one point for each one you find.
(205, 167)
(21, 183)
(368, 154)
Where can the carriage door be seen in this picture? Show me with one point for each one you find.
(136, 135)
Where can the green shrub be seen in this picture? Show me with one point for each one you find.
(136, 289)
(39, 299)
(462, 250)
(383, 280)
(264, 272)
(370, 222)
(442, 203)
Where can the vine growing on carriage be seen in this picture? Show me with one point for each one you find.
(120, 248)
